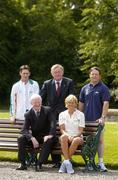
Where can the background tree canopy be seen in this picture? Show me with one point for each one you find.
(75, 33)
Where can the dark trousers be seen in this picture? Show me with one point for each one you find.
(56, 158)
(45, 151)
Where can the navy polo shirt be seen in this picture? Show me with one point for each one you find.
(93, 98)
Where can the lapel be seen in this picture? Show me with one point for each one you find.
(53, 88)
(34, 117)
(63, 87)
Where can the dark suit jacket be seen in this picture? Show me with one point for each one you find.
(43, 125)
(48, 92)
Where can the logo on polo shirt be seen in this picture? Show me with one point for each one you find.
(97, 92)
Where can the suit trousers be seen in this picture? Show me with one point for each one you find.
(45, 151)
(56, 158)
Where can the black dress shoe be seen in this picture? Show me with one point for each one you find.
(57, 165)
(22, 167)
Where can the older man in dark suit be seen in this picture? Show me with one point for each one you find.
(55, 91)
(41, 122)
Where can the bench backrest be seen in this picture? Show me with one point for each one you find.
(9, 133)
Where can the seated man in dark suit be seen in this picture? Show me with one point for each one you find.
(39, 119)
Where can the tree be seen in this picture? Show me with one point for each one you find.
(10, 41)
(99, 39)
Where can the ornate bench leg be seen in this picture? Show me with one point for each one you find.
(89, 149)
(31, 158)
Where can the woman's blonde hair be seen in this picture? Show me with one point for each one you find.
(69, 98)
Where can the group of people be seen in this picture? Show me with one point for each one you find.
(61, 106)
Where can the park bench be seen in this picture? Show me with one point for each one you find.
(9, 133)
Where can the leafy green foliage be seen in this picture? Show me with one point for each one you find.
(98, 46)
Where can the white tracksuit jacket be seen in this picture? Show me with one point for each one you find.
(20, 97)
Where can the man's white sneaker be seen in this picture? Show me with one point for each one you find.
(62, 168)
(69, 168)
(102, 167)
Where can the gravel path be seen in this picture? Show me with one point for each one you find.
(8, 172)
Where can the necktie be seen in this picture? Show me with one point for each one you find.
(37, 113)
(58, 88)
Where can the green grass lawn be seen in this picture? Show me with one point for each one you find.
(111, 146)
(4, 114)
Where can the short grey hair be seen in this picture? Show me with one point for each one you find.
(57, 66)
(35, 96)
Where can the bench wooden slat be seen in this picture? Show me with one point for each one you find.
(5, 121)
(8, 139)
(91, 129)
(7, 130)
(14, 149)
(91, 123)
(10, 135)
(7, 144)
(15, 126)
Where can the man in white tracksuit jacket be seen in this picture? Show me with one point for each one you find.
(21, 93)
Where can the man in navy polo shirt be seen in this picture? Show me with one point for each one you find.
(94, 102)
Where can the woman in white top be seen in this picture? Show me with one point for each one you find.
(71, 123)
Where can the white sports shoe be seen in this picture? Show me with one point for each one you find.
(62, 168)
(69, 168)
(102, 167)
